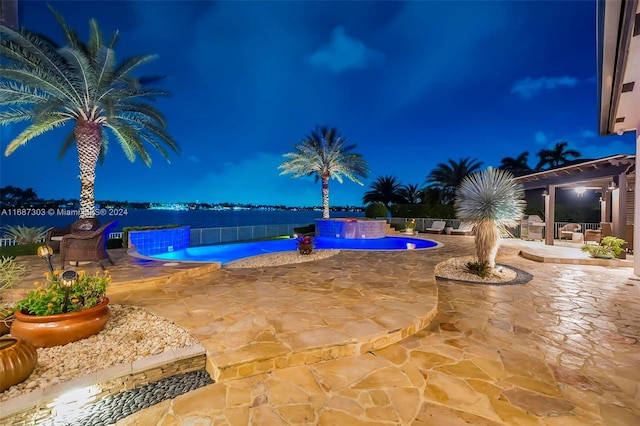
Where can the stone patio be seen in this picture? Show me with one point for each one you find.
(339, 341)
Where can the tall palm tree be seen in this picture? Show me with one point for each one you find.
(557, 156)
(492, 200)
(516, 165)
(385, 190)
(412, 193)
(446, 177)
(325, 154)
(80, 83)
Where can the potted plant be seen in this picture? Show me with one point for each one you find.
(18, 358)
(70, 306)
(410, 226)
(608, 248)
(305, 245)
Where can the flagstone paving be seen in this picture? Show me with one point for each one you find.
(560, 350)
(288, 344)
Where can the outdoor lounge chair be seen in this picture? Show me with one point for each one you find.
(465, 228)
(437, 227)
(54, 235)
(87, 246)
(592, 235)
(568, 230)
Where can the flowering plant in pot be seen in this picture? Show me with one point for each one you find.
(305, 245)
(69, 306)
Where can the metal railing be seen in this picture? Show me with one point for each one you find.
(206, 236)
(423, 223)
(6, 242)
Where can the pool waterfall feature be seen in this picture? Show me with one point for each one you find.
(351, 228)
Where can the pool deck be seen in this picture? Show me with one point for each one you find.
(371, 338)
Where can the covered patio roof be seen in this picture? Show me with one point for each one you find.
(598, 173)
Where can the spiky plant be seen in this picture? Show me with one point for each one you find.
(24, 234)
(82, 84)
(493, 201)
(325, 154)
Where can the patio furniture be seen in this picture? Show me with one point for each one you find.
(437, 227)
(465, 228)
(592, 235)
(568, 230)
(87, 246)
(54, 235)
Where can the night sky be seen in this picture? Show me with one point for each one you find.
(411, 83)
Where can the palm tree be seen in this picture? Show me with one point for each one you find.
(557, 156)
(446, 177)
(412, 193)
(385, 190)
(50, 86)
(492, 200)
(516, 165)
(325, 154)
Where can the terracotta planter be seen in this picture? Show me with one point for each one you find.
(55, 330)
(18, 358)
(4, 326)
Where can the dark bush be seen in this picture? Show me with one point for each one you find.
(374, 210)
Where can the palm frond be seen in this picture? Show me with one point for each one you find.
(36, 129)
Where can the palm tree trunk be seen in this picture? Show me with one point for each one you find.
(89, 140)
(487, 242)
(325, 197)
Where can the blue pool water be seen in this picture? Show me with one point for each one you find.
(226, 253)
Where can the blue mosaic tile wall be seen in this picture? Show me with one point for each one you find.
(156, 241)
(350, 228)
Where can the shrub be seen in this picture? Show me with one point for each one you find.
(20, 250)
(10, 272)
(609, 246)
(374, 210)
(24, 234)
(480, 269)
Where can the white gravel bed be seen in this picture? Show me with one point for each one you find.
(131, 333)
(280, 258)
(455, 269)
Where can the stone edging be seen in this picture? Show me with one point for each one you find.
(522, 277)
(40, 403)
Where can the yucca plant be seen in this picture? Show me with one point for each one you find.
(24, 234)
(493, 201)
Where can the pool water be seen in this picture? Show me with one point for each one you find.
(226, 253)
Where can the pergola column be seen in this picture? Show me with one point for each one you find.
(636, 215)
(549, 214)
(619, 207)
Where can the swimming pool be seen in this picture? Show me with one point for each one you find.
(226, 253)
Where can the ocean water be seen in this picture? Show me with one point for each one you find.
(194, 218)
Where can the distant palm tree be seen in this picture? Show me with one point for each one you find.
(79, 83)
(412, 193)
(385, 190)
(492, 200)
(516, 165)
(324, 154)
(557, 156)
(446, 177)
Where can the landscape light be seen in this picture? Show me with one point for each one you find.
(45, 253)
(69, 278)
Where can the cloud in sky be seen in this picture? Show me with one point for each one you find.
(540, 138)
(588, 134)
(344, 53)
(528, 87)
